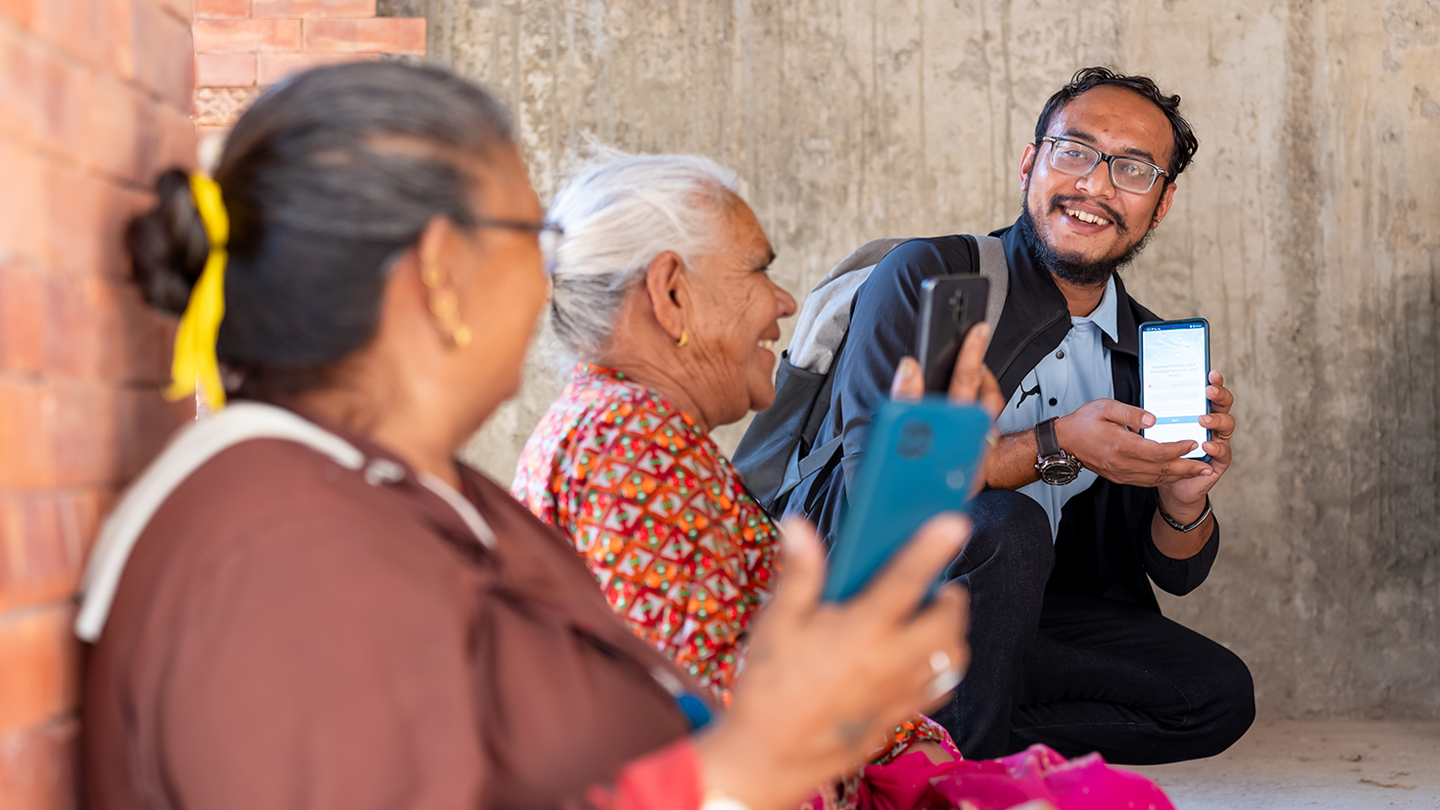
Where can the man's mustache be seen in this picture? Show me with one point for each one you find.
(1058, 202)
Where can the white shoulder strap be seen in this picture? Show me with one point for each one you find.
(191, 448)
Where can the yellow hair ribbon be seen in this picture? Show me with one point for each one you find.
(195, 369)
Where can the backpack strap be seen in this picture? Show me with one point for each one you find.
(806, 459)
(994, 266)
(987, 256)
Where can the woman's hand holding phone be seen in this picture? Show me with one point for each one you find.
(826, 677)
(837, 675)
(923, 456)
(972, 383)
(824, 680)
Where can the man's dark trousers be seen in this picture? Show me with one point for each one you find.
(1080, 673)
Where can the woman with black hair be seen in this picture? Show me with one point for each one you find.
(306, 602)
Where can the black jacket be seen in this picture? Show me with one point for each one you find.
(1103, 547)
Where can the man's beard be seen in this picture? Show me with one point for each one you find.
(1073, 267)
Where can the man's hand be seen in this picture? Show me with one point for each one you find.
(1105, 436)
(1184, 499)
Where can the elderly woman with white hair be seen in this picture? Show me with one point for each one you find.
(661, 289)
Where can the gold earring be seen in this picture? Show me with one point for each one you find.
(445, 306)
(684, 339)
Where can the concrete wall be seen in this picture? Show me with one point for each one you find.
(1308, 232)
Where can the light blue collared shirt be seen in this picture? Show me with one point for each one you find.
(1077, 372)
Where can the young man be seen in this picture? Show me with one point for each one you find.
(1082, 513)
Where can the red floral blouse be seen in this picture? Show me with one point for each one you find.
(659, 515)
(680, 549)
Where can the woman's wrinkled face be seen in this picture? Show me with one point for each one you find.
(735, 321)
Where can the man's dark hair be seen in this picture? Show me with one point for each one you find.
(1092, 77)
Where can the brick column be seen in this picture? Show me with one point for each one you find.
(243, 45)
(94, 99)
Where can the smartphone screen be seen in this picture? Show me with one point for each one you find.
(1174, 370)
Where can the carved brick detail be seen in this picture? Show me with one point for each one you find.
(242, 46)
(222, 106)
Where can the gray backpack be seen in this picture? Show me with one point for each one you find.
(777, 453)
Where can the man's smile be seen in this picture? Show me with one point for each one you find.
(1084, 217)
(1088, 217)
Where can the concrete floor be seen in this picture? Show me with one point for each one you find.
(1348, 764)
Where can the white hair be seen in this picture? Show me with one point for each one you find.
(619, 212)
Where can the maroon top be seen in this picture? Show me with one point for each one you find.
(289, 635)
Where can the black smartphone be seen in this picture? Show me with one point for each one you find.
(949, 307)
(1174, 371)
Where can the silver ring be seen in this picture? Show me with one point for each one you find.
(939, 661)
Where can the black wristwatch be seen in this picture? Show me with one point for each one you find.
(1056, 467)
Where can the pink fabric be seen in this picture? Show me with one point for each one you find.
(912, 782)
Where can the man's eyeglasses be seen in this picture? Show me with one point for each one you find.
(1126, 173)
(550, 234)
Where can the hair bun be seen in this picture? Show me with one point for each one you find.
(168, 245)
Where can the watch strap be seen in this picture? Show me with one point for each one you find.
(1046, 443)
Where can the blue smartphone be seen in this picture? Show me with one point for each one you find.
(1174, 370)
(921, 459)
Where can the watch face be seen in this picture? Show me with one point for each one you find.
(1058, 473)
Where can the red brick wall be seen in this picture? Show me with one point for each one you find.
(94, 99)
(243, 45)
